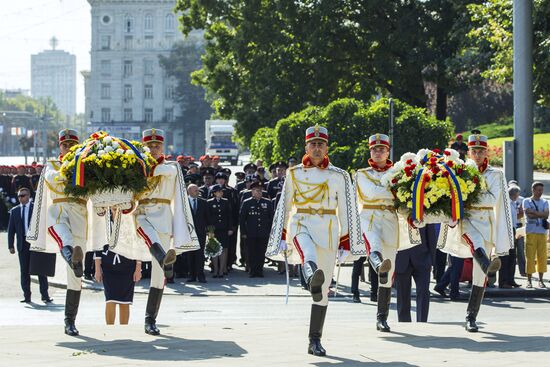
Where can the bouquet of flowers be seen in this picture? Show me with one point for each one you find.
(213, 247)
(435, 185)
(106, 169)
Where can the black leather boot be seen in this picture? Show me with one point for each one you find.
(314, 279)
(476, 296)
(380, 265)
(487, 265)
(165, 259)
(384, 299)
(152, 310)
(316, 322)
(72, 300)
(74, 257)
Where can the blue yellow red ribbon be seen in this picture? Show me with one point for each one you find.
(457, 207)
(144, 166)
(78, 171)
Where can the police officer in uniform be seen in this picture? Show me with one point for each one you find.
(220, 216)
(208, 174)
(255, 218)
(275, 185)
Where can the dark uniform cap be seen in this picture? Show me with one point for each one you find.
(192, 164)
(256, 184)
(272, 166)
(193, 178)
(281, 164)
(227, 171)
(209, 171)
(216, 188)
(250, 166)
(240, 174)
(221, 175)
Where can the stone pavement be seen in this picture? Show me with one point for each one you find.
(268, 344)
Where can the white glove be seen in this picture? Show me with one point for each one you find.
(282, 246)
(342, 256)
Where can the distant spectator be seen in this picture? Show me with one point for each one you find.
(506, 275)
(536, 210)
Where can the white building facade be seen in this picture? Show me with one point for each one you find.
(126, 88)
(53, 74)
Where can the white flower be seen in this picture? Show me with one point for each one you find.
(405, 157)
(115, 144)
(101, 153)
(129, 152)
(147, 149)
(453, 155)
(120, 151)
(471, 163)
(109, 149)
(421, 154)
(107, 140)
(100, 146)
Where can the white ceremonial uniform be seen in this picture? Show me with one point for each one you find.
(488, 225)
(63, 218)
(379, 221)
(316, 212)
(163, 215)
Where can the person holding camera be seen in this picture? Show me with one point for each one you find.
(536, 210)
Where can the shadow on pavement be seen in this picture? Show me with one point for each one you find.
(491, 342)
(164, 348)
(352, 363)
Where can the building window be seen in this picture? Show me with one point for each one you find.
(128, 24)
(106, 67)
(105, 115)
(127, 68)
(106, 19)
(169, 42)
(105, 42)
(148, 91)
(148, 67)
(105, 91)
(148, 42)
(127, 92)
(128, 115)
(169, 22)
(128, 42)
(148, 24)
(169, 114)
(148, 115)
(169, 92)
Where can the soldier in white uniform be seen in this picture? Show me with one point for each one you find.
(65, 220)
(378, 221)
(488, 226)
(163, 217)
(316, 216)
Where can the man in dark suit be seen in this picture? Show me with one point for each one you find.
(415, 262)
(20, 217)
(200, 220)
(256, 216)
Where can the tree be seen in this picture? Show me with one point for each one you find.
(350, 123)
(184, 59)
(492, 39)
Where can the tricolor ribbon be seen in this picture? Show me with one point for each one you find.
(78, 172)
(457, 207)
(126, 144)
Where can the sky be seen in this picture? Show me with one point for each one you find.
(26, 27)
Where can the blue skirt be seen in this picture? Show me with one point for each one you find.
(118, 277)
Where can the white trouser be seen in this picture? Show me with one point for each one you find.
(478, 276)
(389, 253)
(324, 258)
(150, 236)
(62, 234)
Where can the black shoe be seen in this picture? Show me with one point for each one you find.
(441, 292)
(316, 348)
(88, 277)
(152, 329)
(314, 279)
(47, 300)
(26, 300)
(383, 309)
(70, 329)
(382, 325)
(471, 325)
(356, 298)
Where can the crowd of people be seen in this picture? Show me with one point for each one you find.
(308, 215)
